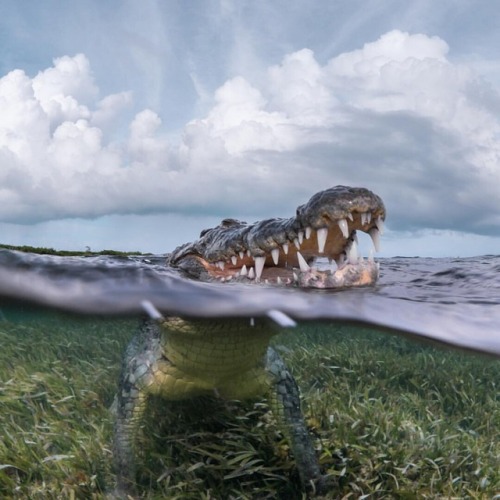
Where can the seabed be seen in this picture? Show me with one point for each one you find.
(391, 419)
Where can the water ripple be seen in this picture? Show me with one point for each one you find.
(450, 301)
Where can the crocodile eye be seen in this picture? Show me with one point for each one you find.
(230, 223)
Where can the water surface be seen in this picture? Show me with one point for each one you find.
(451, 301)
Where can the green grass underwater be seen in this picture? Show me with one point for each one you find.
(391, 418)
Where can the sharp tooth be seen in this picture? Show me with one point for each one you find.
(380, 224)
(244, 270)
(275, 254)
(249, 254)
(251, 274)
(296, 243)
(295, 276)
(281, 319)
(304, 266)
(278, 280)
(151, 310)
(375, 236)
(220, 264)
(350, 217)
(259, 266)
(229, 278)
(241, 254)
(352, 253)
(285, 248)
(300, 235)
(366, 218)
(266, 281)
(322, 234)
(343, 227)
(234, 260)
(308, 232)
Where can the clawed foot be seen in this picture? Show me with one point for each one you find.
(120, 494)
(321, 486)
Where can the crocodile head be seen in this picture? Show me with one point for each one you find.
(286, 251)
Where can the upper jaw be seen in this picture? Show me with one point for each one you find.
(292, 262)
(280, 251)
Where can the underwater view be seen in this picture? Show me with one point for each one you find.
(399, 383)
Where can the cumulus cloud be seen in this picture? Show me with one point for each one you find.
(63, 89)
(396, 116)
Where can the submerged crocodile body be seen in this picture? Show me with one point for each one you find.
(231, 358)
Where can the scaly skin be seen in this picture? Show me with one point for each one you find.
(282, 251)
(178, 358)
(231, 359)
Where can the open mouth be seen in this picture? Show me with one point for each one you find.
(317, 248)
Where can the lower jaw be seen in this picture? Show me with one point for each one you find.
(362, 273)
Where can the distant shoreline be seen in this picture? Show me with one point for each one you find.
(67, 253)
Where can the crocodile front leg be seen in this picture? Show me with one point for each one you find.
(138, 373)
(284, 400)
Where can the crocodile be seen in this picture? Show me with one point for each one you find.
(179, 358)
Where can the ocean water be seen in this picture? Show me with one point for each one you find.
(452, 301)
(400, 381)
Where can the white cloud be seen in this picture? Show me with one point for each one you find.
(145, 146)
(299, 87)
(69, 77)
(109, 108)
(395, 115)
(61, 89)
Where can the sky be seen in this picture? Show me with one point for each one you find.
(134, 125)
